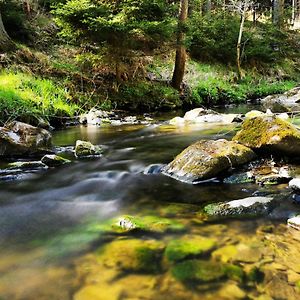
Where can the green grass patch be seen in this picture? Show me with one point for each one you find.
(25, 97)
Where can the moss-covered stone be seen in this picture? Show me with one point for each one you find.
(225, 254)
(234, 272)
(270, 134)
(206, 159)
(198, 270)
(189, 247)
(133, 255)
(85, 149)
(27, 165)
(52, 160)
(146, 223)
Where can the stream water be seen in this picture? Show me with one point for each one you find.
(51, 248)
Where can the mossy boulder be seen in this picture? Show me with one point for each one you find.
(21, 139)
(206, 159)
(52, 160)
(251, 206)
(191, 246)
(269, 134)
(201, 271)
(86, 149)
(147, 223)
(132, 255)
(27, 165)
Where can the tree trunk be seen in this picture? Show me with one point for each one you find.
(6, 43)
(277, 14)
(239, 45)
(180, 60)
(207, 7)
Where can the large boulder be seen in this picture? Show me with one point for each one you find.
(19, 139)
(206, 159)
(270, 134)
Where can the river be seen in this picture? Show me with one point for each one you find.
(52, 245)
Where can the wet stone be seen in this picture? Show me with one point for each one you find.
(87, 149)
(52, 160)
(190, 246)
(251, 206)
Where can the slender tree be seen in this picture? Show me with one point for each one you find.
(180, 59)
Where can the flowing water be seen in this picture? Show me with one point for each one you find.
(52, 245)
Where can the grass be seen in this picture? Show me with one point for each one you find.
(25, 97)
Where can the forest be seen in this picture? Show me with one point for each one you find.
(149, 149)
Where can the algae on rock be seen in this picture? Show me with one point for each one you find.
(270, 134)
(206, 159)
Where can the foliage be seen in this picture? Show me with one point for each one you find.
(124, 25)
(216, 91)
(214, 38)
(23, 97)
(147, 96)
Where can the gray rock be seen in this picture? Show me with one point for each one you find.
(206, 159)
(21, 139)
(289, 101)
(252, 206)
(294, 184)
(52, 160)
(87, 149)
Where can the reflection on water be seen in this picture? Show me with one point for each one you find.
(53, 245)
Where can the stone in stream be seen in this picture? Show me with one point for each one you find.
(52, 160)
(252, 206)
(146, 223)
(294, 184)
(86, 149)
(133, 255)
(27, 165)
(196, 270)
(288, 101)
(190, 246)
(21, 139)
(270, 134)
(294, 222)
(206, 159)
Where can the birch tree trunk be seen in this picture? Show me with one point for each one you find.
(239, 44)
(180, 59)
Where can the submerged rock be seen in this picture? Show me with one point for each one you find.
(86, 149)
(52, 160)
(252, 206)
(191, 246)
(133, 255)
(146, 223)
(19, 139)
(206, 159)
(201, 271)
(270, 134)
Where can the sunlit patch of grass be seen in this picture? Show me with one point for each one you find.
(23, 96)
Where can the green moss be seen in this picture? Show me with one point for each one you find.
(181, 249)
(197, 270)
(225, 254)
(260, 131)
(234, 272)
(146, 223)
(134, 255)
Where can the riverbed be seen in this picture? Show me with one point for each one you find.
(53, 246)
